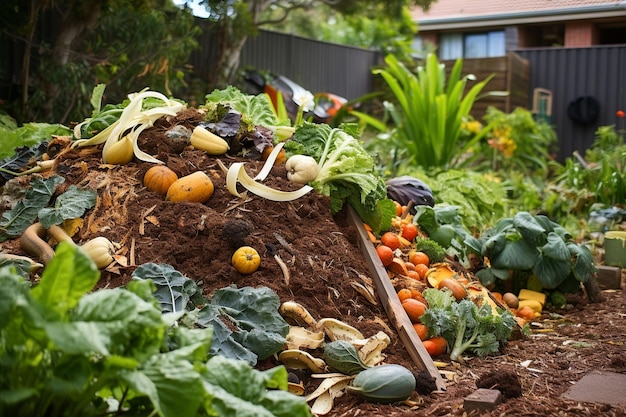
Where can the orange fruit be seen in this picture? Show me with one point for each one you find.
(404, 293)
(418, 257)
(412, 273)
(390, 239)
(414, 309)
(409, 266)
(398, 208)
(421, 330)
(410, 232)
(421, 269)
(385, 254)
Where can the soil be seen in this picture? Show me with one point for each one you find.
(320, 251)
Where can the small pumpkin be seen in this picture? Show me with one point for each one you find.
(159, 178)
(246, 260)
(196, 187)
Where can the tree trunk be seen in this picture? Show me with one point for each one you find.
(232, 41)
(76, 20)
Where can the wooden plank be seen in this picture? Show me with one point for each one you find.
(392, 305)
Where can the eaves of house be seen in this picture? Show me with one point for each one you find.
(467, 14)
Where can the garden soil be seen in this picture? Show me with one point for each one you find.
(319, 249)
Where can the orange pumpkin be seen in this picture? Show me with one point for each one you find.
(196, 187)
(159, 178)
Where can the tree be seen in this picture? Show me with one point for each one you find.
(71, 45)
(236, 20)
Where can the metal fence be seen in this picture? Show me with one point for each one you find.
(598, 72)
(317, 66)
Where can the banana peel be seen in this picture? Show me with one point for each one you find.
(295, 313)
(338, 330)
(300, 359)
(371, 349)
(330, 388)
(300, 338)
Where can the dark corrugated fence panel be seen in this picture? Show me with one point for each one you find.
(317, 66)
(598, 71)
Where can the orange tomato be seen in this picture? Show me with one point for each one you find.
(414, 309)
(526, 313)
(404, 294)
(436, 346)
(421, 330)
(418, 257)
(421, 269)
(410, 232)
(398, 208)
(385, 254)
(413, 274)
(390, 239)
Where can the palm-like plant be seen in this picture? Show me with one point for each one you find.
(430, 110)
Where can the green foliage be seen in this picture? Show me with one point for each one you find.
(604, 174)
(516, 141)
(370, 28)
(347, 172)
(428, 111)
(466, 326)
(130, 45)
(29, 134)
(68, 351)
(534, 244)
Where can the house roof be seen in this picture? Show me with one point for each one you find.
(449, 14)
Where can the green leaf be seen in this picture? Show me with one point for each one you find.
(25, 212)
(584, 265)
(173, 289)
(69, 275)
(238, 390)
(552, 272)
(71, 204)
(172, 384)
(518, 255)
(246, 323)
(555, 248)
(129, 326)
(529, 228)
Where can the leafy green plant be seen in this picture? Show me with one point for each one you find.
(35, 205)
(430, 110)
(466, 326)
(533, 244)
(68, 351)
(516, 141)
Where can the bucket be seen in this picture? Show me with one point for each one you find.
(615, 248)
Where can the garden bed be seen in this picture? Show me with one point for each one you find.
(321, 252)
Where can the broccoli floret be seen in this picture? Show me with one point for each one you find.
(435, 252)
(558, 300)
(466, 326)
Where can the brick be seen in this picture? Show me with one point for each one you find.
(609, 277)
(482, 400)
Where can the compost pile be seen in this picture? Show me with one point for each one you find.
(324, 262)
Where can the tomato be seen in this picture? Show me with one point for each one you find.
(421, 330)
(419, 258)
(385, 254)
(421, 269)
(390, 239)
(410, 232)
(414, 309)
(435, 346)
(246, 260)
(404, 293)
(399, 208)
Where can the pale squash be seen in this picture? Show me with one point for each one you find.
(159, 178)
(196, 187)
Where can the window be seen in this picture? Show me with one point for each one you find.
(472, 45)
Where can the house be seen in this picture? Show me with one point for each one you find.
(484, 28)
(575, 52)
